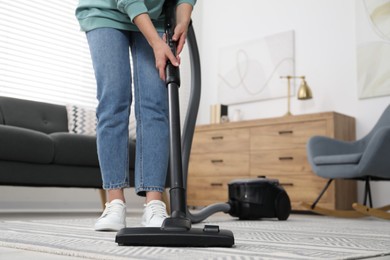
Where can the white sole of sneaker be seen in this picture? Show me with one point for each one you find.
(109, 227)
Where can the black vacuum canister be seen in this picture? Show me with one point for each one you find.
(258, 198)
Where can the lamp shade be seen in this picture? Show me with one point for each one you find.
(304, 92)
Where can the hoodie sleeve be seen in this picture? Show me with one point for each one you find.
(191, 2)
(132, 8)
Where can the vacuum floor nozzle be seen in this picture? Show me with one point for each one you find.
(209, 236)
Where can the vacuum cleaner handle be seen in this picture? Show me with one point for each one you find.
(178, 219)
(172, 72)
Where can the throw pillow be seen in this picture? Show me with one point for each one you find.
(81, 120)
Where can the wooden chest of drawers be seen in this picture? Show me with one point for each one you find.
(275, 148)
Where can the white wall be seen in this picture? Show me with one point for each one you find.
(325, 54)
(325, 46)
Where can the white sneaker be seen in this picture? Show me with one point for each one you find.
(155, 213)
(113, 217)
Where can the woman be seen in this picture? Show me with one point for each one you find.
(113, 27)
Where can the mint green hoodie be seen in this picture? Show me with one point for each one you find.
(119, 14)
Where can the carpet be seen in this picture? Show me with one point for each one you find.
(300, 237)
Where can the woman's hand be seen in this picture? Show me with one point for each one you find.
(162, 53)
(183, 18)
(161, 50)
(179, 36)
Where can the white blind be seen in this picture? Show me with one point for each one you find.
(43, 54)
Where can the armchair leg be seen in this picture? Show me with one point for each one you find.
(103, 197)
(330, 212)
(367, 193)
(321, 194)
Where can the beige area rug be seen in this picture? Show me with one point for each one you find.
(300, 237)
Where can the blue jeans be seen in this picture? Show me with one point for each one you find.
(110, 57)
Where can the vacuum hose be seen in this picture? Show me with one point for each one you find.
(189, 127)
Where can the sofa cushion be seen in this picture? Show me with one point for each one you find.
(81, 150)
(24, 145)
(74, 149)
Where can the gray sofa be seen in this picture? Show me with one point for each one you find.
(36, 148)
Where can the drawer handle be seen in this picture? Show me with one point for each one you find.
(286, 158)
(286, 132)
(217, 161)
(217, 137)
(287, 184)
(216, 184)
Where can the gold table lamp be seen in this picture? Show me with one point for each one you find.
(304, 91)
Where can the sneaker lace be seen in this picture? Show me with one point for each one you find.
(158, 210)
(111, 208)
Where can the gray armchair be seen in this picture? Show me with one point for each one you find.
(366, 159)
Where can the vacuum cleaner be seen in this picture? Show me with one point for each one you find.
(248, 198)
(251, 199)
(175, 230)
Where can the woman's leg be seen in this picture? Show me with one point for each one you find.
(151, 111)
(152, 149)
(110, 55)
